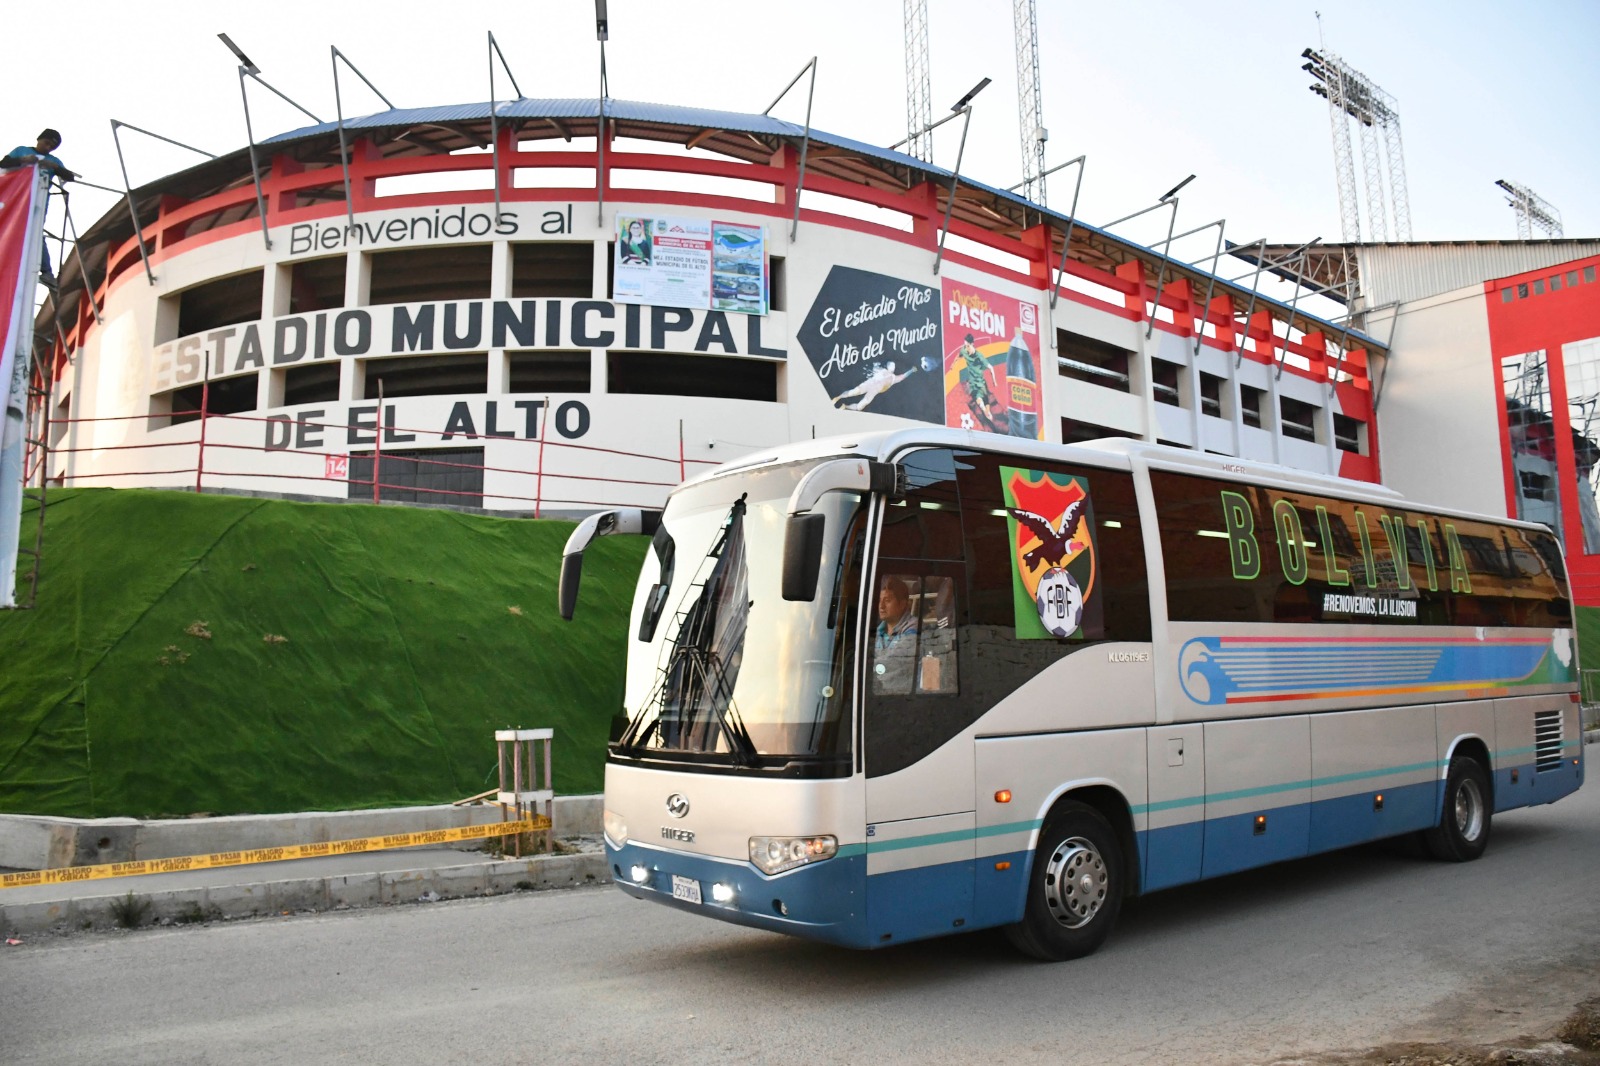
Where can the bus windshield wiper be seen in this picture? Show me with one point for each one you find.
(706, 652)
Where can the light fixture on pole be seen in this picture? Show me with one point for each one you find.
(248, 69)
(967, 99)
(244, 60)
(1170, 193)
(602, 33)
(962, 107)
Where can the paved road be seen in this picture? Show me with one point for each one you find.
(1342, 951)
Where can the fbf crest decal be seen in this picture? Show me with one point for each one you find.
(1050, 519)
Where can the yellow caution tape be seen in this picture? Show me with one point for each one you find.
(536, 824)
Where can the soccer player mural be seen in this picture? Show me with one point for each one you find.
(991, 366)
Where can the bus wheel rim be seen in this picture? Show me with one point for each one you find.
(1469, 810)
(1075, 883)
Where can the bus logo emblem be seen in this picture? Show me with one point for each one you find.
(677, 805)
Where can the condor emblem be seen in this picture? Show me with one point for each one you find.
(1053, 560)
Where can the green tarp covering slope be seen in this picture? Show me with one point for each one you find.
(228, 655)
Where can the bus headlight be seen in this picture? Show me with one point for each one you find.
(774, 855)
(615, 828)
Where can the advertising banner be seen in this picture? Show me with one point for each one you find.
(1053, 561)
(691, 262)
(991, 362)
(22, 205)
(874, 341)
(738, 268)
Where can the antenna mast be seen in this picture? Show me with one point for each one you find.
(1030, 106)
(919, 82)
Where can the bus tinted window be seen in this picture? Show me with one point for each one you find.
(1242, 553)
(959, 627)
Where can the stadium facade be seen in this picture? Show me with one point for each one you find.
(511, 332)
(493, 308)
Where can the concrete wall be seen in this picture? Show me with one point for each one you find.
(1438, 406)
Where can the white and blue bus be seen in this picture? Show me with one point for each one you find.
(912, 683)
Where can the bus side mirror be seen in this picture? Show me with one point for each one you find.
(603, 524)
(802, 535)
(802, 556)
(567, 591)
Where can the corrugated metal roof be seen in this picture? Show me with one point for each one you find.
(574, 108)
(1405, 272)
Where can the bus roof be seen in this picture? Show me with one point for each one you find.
(1122, 453)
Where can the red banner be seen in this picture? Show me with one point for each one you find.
(16, 216)
(991, 362)
(21, 228)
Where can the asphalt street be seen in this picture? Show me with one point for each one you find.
(1342, 951)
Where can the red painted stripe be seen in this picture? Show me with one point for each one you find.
(1382, 640)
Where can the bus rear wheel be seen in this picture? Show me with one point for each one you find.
(1463, 830)
(1075, 887)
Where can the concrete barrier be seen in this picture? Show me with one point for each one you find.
(301, 894)
(29, 842)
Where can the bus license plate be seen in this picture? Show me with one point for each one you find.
(685, 888)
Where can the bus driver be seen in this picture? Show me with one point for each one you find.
(894, 644)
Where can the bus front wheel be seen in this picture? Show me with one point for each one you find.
(1075, 887)
(1463, 829)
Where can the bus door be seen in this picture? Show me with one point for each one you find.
(919, 776)
(920, 822)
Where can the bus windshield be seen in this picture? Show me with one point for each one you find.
(733, 673)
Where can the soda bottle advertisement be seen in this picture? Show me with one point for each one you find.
(991, 361)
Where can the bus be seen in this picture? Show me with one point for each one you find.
(918, 682)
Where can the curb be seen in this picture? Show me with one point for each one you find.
(262, 898)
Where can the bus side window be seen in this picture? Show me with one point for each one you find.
(913, 643)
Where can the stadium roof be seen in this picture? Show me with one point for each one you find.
(753, 138)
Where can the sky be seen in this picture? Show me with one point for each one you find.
(1149, 92)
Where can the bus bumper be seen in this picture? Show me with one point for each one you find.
(823, 901)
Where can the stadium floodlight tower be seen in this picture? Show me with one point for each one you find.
(1533, 211)
(1353, 95)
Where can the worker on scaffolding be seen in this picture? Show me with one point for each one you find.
(41, 155)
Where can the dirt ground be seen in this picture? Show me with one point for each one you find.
(1576, 1042)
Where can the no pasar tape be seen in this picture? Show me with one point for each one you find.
(68, 874)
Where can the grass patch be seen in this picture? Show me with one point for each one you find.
(238, 656)
(1588, 621)
(130, 911)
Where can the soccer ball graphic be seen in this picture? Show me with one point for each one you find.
(1060, 602)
